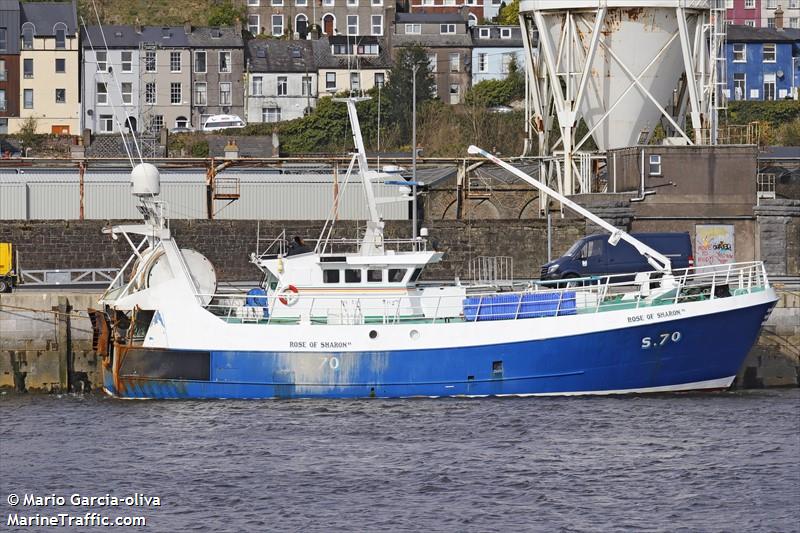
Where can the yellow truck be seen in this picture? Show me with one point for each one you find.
(8, 278)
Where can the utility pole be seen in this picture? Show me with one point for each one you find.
(414, 69)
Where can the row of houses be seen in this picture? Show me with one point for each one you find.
(146, 78)
(763, 13)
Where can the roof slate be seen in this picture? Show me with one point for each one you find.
(277, 56)
(741, 34)
(125, 36)
(432, 18)
(324, 58)
(45, 15)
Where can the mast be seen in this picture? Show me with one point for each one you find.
(655, 258)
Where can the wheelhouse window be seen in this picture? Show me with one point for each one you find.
(330, 276)
(352, 275)
(396, 275)
(415, 275)
(374, 276)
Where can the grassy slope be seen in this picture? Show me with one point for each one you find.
(149, 12)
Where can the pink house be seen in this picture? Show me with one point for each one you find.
(744, 12)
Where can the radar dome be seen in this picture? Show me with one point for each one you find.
(145, 180)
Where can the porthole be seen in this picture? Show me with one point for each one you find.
(373, 334)
(414, 334)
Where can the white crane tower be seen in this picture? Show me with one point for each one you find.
(623, 66)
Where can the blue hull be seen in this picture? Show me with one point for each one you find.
(694, 350)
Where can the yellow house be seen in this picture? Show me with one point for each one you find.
(49, 68)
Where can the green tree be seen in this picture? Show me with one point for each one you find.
(225, 14)
(489, 93)
(509, 14)
(398, 91)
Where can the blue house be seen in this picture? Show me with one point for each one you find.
(762, 63)
(494, 48)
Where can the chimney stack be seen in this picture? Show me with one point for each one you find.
(137, 26)
(187, 27)
(779, 18)
(238, 26)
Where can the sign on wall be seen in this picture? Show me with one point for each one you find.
(714, 244)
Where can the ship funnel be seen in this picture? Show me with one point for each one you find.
(145, 180)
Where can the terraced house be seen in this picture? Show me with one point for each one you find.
(297, 18)
(49, 61)
(9, 62)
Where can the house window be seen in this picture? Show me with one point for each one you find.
(3, 104)
(3, 39)
(283, 86)
(258, 85)
(327, 2)
(301, 25)
(505, 33)
(271, 114)
(27, 98)
(127, 61)
(301, 2)
(770, 22)
(355, 82)
(102, 93)
(507, 60)
(751, 23)
(61, 36)
(377, 2)
(175, 93)
(181, 122)
(739, 86)
(200, 62)
(794, 22)
(150, 93)
(102, 61)
(352, 24)
(379, 79)
(3, 73)
(769, 53)
(150, 61)
(224, 62)
(772, 4)
(61, 96)
(377, 24)
(483, 62)
(174, 61)
(306, 86)
(484, 33)
(432, 63)
(739, 53)
(277, 3)
(413, 29)
(127, 92)
(27, 36)
(749, 4)
(158, 123)
(225, 93)
(655, 165)
(254, 24)
(455, 62)
(253, 3)
(454, 93)
(447, 28)
(330, 81)
(106, 124)
(352, 2)
(27, 68)
(277, 25)
(200, 93)
(769, 86)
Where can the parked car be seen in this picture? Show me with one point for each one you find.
(223, 122)
(594, 256)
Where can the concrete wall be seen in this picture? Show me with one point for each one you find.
(46, 342)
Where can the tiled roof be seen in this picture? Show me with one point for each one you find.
(324, 58)
(272, 55)
(45, 15)
(433, 18)
(741, 34)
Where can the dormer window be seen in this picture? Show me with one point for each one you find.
(60, 30)
(27, 36)
(505, 33)
(165, 33)
(216, 33)
(484, 33)
(445, 29)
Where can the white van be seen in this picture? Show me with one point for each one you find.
(222, 122)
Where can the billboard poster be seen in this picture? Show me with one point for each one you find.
(714, 244)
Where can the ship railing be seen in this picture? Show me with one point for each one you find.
(280, 245)
(538, 299)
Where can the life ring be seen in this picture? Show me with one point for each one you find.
(288, 296)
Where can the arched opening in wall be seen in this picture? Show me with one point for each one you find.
(473, 20)
(130, 123)
(28, 31)
(301, 25)
(181, 122)
(531, 209)
(481, 210)
(328, 24)
(450, 211)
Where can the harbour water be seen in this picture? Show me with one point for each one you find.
(688, 462)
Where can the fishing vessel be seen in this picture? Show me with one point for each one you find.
(349, 318)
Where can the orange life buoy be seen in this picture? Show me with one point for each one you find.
(288, 295)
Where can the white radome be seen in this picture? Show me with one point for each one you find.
(145, 180)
